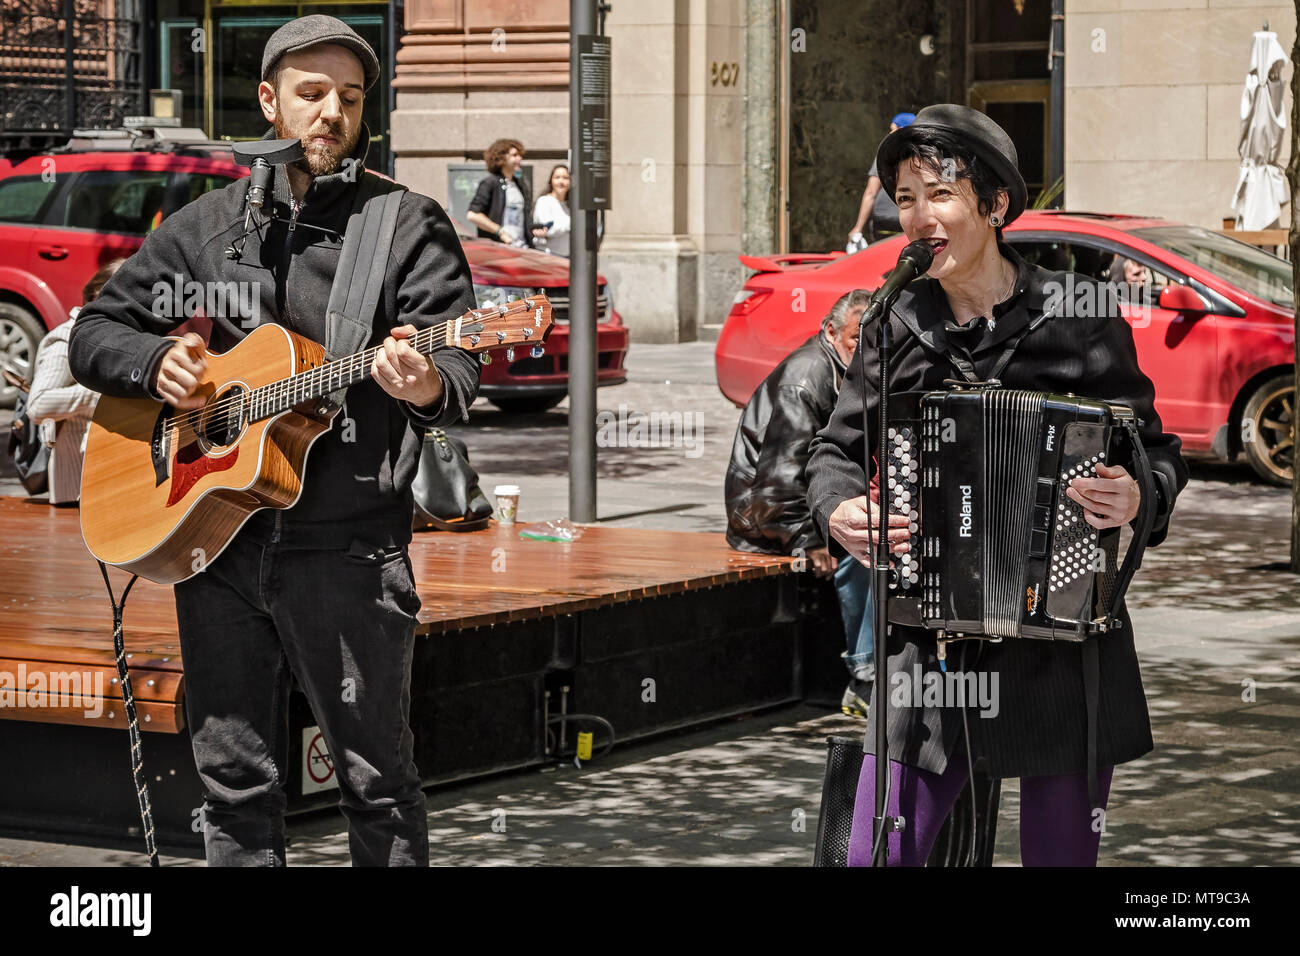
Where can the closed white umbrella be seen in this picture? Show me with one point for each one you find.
(1261, 184)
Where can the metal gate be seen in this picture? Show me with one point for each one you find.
(67, 64)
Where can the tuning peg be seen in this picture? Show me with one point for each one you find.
(510, 354)
(485, 358)
(537, 351)
(473, 340)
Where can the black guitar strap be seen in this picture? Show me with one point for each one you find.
(359, 281)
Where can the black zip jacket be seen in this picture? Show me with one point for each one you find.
(351, 488)
(766, 487)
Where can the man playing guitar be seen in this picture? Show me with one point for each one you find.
(322, 591)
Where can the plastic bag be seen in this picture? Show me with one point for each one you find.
(561, 530)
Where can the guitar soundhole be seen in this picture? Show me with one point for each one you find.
(222, 419)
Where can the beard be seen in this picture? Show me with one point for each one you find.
(320, 159)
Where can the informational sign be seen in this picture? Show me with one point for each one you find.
(592, 157)
(317, 767)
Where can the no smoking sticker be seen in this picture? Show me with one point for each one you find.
(317, 767)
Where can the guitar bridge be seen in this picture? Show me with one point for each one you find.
(160, 446)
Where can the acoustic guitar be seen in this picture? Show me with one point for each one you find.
(164, 490)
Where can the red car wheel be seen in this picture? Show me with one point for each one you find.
(1268, 430)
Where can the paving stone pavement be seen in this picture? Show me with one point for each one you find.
(1218, 637)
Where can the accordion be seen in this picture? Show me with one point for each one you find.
(997, 549)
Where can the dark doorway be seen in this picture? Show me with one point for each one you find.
(1007, 44)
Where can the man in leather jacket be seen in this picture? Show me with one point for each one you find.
(766, 486)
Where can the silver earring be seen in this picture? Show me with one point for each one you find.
(995, 221)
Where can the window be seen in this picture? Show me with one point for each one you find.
(1107, 265)
(23, 198)
(128, 201)
(1262, 275)
(200, 183)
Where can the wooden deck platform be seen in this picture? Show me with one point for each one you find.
(513, 631)
(55, 612)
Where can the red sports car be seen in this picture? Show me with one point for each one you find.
(65, 213)
(1214, 327)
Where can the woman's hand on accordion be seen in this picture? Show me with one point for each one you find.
(851, 524)
(1109, 501)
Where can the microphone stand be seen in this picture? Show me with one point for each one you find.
(882, 823)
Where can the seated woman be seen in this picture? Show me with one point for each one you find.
(954, 175)
(63, 408)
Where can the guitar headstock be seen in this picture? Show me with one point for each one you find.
(525, 321)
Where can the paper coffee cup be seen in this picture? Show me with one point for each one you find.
(507, 503)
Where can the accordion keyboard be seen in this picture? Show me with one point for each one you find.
(904, 475)
(1074, 541)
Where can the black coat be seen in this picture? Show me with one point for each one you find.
(353, 481)
(766, 488)
(1041, 726)
(490, 199)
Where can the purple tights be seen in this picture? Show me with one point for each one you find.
(1055, 820)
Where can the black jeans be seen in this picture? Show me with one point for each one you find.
(343, 621)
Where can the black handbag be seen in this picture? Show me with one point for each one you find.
(447, 494)
(952, 847)
(30, 455)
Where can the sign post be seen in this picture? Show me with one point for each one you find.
(589, 141)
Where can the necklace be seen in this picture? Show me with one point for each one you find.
(993, 322)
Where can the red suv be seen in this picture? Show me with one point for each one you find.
(65, 213)
(1214, 329)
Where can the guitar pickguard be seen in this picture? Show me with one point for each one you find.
(191, 464)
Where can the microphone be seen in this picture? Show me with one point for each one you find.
(260, 156)
(913, 262)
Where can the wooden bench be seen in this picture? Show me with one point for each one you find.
(56, 629)
(1276, 241)
(509, 629)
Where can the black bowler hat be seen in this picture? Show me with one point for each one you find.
(986, 138)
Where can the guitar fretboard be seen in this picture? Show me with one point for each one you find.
(272, 399)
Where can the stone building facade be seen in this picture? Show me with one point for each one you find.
(749, 127)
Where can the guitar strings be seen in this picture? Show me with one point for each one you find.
(321, 375)
(284, 387)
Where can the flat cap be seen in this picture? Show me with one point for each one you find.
(313, 30)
